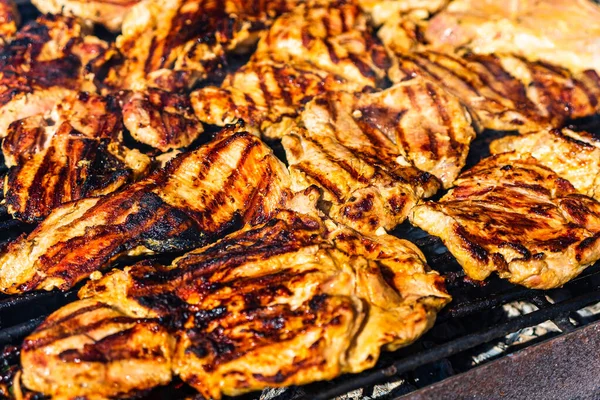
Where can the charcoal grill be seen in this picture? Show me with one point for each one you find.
(559, 363)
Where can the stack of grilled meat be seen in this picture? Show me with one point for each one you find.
(283, 273)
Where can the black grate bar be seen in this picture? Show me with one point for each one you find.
(33, 297)
(16, 333)
(456, 346)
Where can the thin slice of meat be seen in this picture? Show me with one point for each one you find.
(161, 119)
(42, 65)
(292, 301)
(506, 92)
(382, 11)
(334, 37)
(515, 217)
(267, 96)
(376, 154)
(562, 32)
(574, 156)
(109, 13)
(197, 198)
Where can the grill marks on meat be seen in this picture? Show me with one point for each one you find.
(297, 299)
(563, 32)
(109, 13)
(196, 198)
(9, 20)
(172, 44)
(160, 119)
(361, 150)
(506, 92)
(512, 216)
(333, 37)
(268, 96)
(574, 156)
(53, 163)
(42, 65)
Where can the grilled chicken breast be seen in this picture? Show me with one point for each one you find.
(506, 92)
(333, 37)
(515, 217)
(109, 13)
(73, 153)
(361, 149)
(164, 44)
(291, 301)
(563, 32)
(161, 119)
(196, 198)
(9, 20)
(572, 155)
(266, 95)
(42, 65)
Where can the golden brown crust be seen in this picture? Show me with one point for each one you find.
(512, 216)
(292, 301)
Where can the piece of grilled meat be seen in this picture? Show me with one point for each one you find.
(197, 198)
(161, 119)
(43, 64)
(574, 156)
(334, 37)
(173, 44)
(506, 92)
(563, 32)
(268, 96)
(515, 217)
(9, 20)
(361, 149)
(292, 301)
(109, 13)
(73, 153)
(382, 11)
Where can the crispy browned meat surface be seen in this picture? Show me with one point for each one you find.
(109, 13)
(268, 96)
(563, 32)
(43, 64)
(161, 119)
(9, 20)
(195, 199)
(334, 37)
(362, 149)
(73, 153)
(292, 301)
(507, 92)
(512, 216)
(574, 156)
(382, 11)
(173, 44)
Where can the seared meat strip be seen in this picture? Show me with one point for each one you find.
(71, 154)
(506, 92)
(109, 13)
(9, 20)
(196, 198)
(266, 95)
(173, 44)
(43, 64)
(512, 216)
(161, 119)
(563, 32)
(333, 37)
(292, 301)
(574, 156)
(361, 149)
